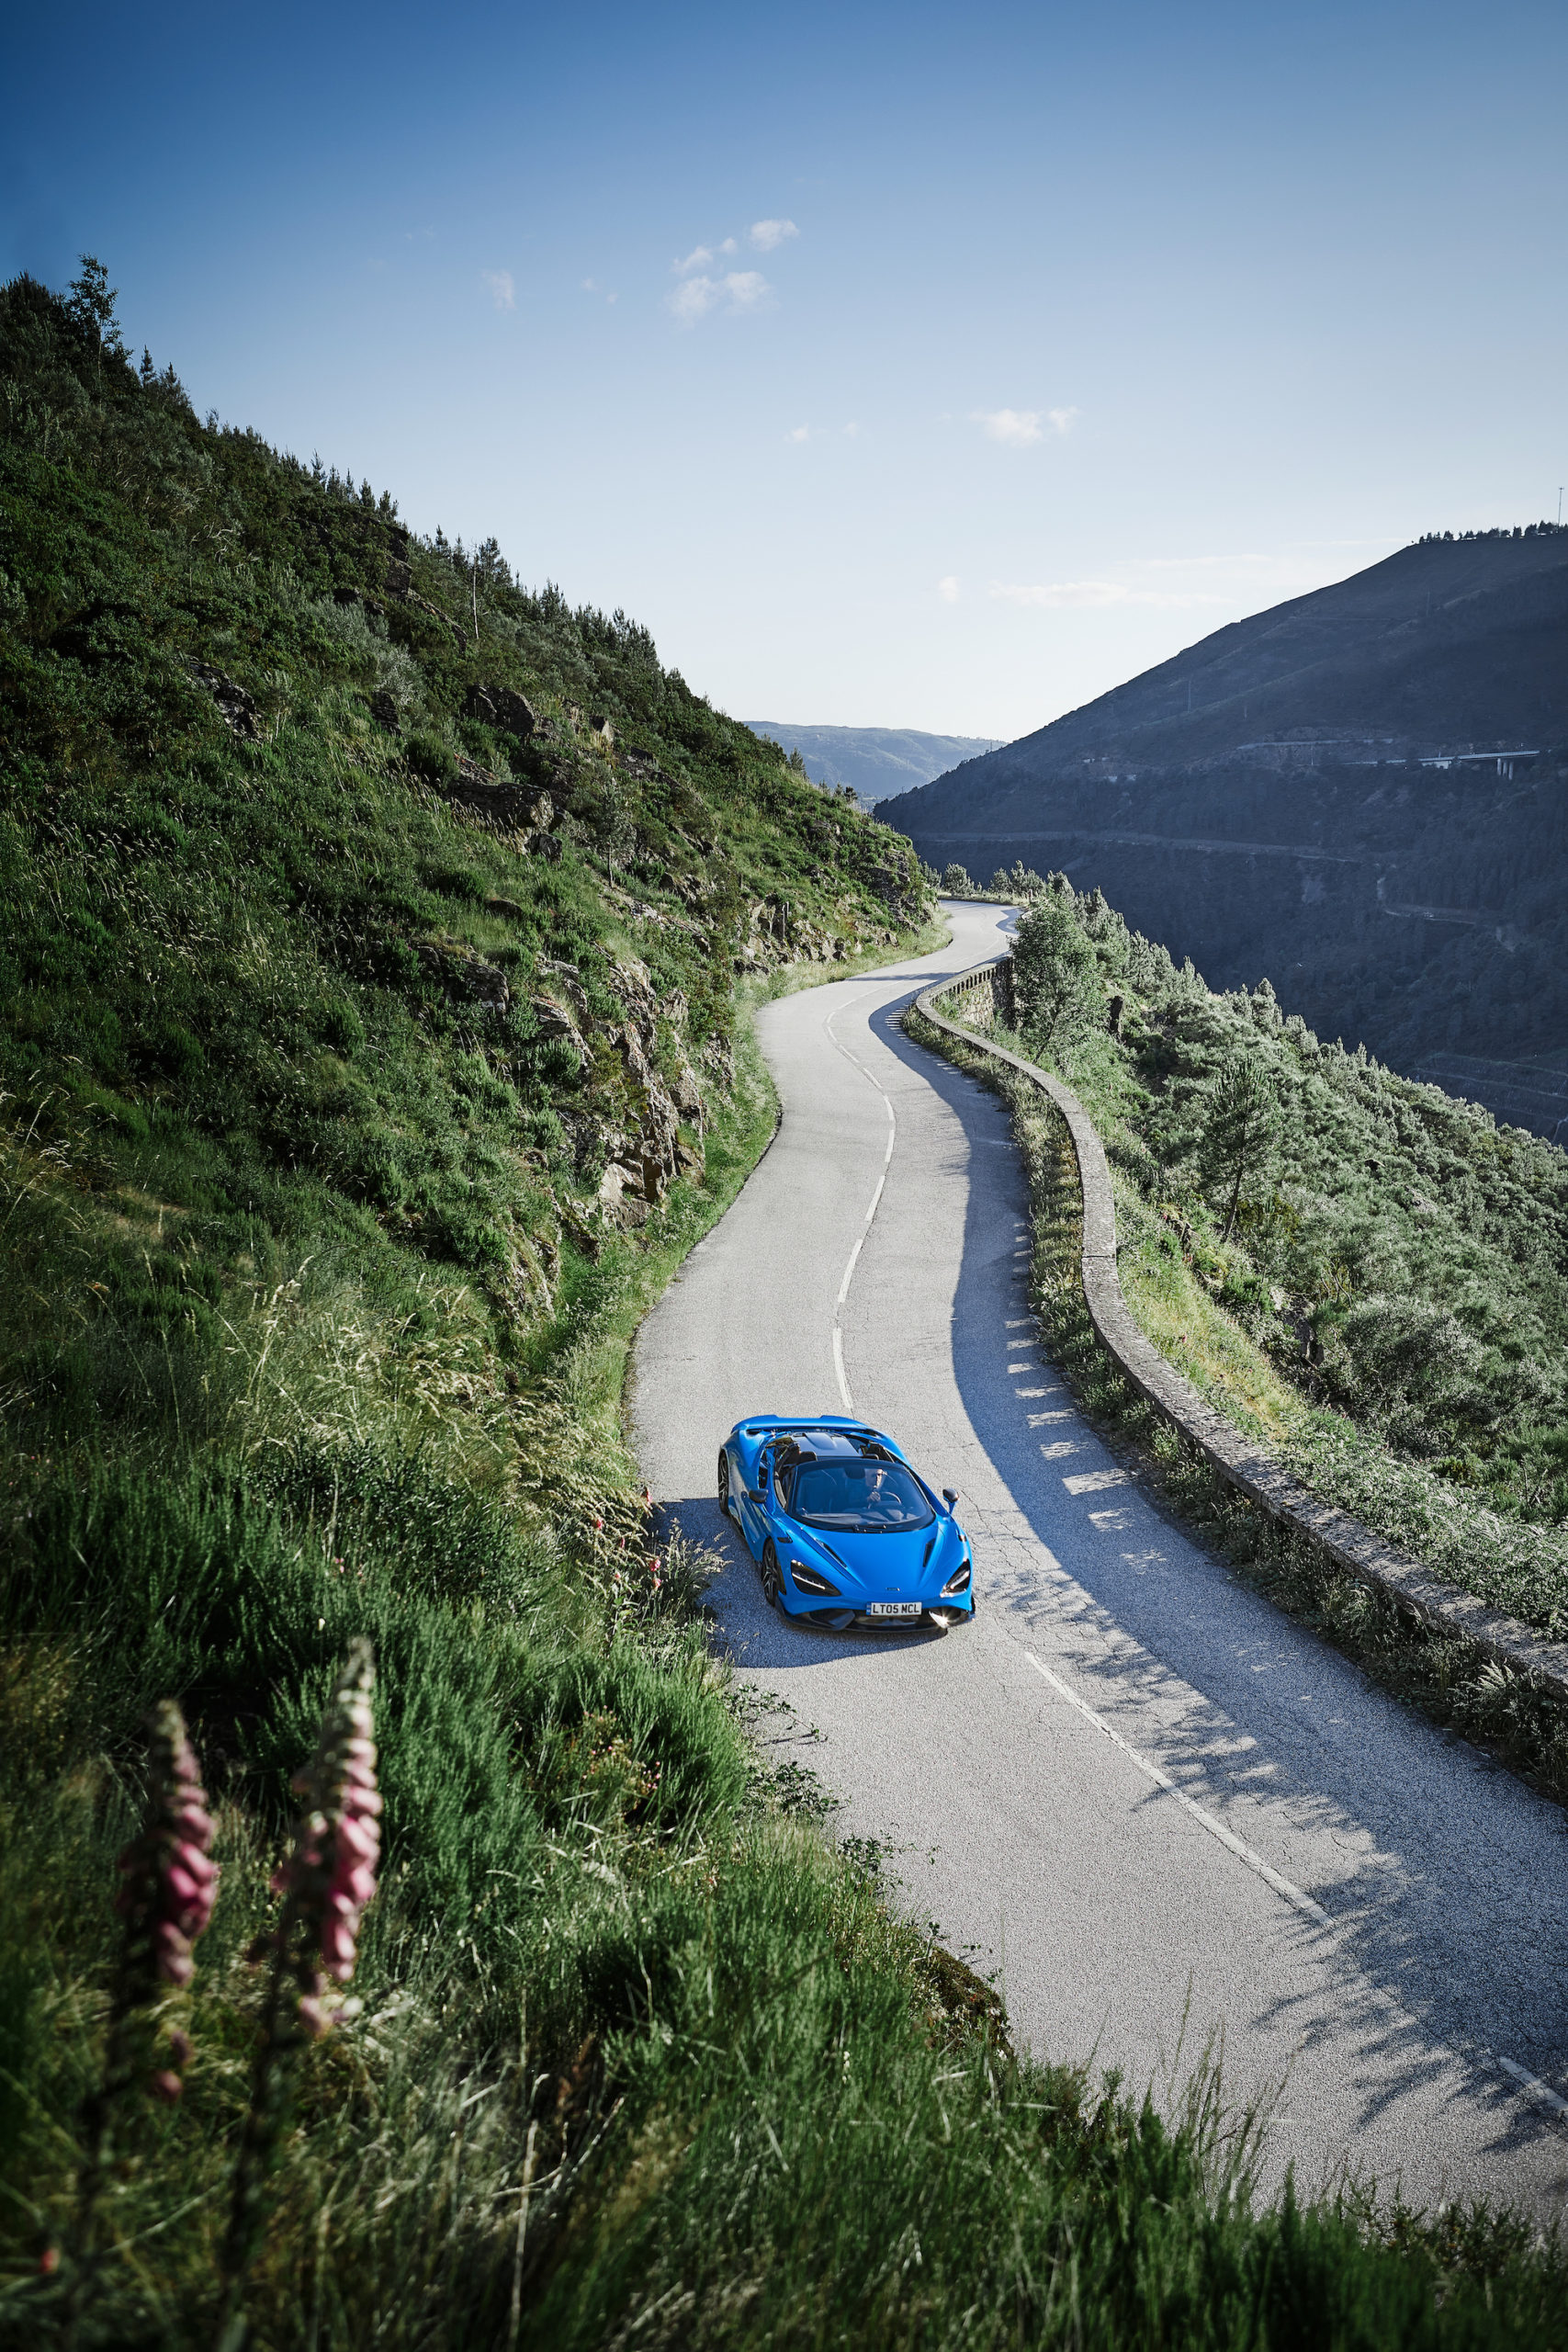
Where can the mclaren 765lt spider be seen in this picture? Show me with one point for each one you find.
(842, 1527)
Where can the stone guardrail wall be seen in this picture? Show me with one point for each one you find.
(1346, 1542)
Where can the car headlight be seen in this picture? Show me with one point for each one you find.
(959, 1582)
(811, 1580)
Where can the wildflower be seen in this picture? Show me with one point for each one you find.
(168, 1884)
(167, 1881)
(326, 1882)
(329, 1875)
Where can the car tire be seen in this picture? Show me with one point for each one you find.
(773, 1574)
(725, 1506)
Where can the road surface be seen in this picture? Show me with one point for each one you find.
(1163, 1815)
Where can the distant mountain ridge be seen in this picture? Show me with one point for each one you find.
(877, 762)
(1360, 793)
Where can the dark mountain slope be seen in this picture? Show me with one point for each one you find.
(1296, 821)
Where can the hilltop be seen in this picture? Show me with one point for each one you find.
(875, 761)
(1300, 794)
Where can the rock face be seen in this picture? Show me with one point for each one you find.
(643, 1158)
(512, 805)
(556, 1023)
(465, 973)
(400, 590)
(776, 934)
(499, 706)
(236, 706)
(899, 887)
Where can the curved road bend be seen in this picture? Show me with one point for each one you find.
(1365, 1910)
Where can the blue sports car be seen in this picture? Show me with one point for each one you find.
(843, 1530)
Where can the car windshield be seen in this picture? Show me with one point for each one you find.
(861, 1498)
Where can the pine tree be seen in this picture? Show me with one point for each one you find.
(92, 304)
(1240, 1130)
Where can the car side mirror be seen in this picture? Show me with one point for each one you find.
(950, 1497)
(753, 1495)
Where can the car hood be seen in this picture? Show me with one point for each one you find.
(878, 1564)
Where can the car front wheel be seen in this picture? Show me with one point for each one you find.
(725, 1506)
(773, 1577)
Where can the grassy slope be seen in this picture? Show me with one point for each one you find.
(310, 1325)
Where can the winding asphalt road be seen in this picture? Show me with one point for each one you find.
(1165, 1815)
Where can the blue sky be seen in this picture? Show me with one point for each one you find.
(902, 367)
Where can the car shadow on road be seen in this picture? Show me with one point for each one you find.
(758, 1637)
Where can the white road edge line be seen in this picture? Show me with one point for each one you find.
(876, 1204)
(1541, 2094)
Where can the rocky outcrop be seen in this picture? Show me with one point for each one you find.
(775, 934)
(513, 806)
(649, 1160)
(556, 1024)
(236, 706)
(501, 708)
(465, 973)
(899, 888)
(398, 589)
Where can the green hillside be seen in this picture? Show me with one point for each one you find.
(378, 941)
(1364, 1272)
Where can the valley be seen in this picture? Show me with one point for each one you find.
(1360, 794)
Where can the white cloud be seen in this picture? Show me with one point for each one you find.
(768, 235)
(738, 289)
(1095, 595)
(1016, 427)
(798, 433)
(729, 246)
(503, 292)
(693, 300)
(592, 286)
(948, 589)
(699, 258)
(852, 431)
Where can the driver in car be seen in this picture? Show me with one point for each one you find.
(881, 1502)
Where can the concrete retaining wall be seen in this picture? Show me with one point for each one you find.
(1347, 1543)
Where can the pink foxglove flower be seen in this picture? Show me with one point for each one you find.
(329, 1875)
(168, 1881)
(326, 1881)
(167, 1886)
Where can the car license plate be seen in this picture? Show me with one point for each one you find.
(894, 1609)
